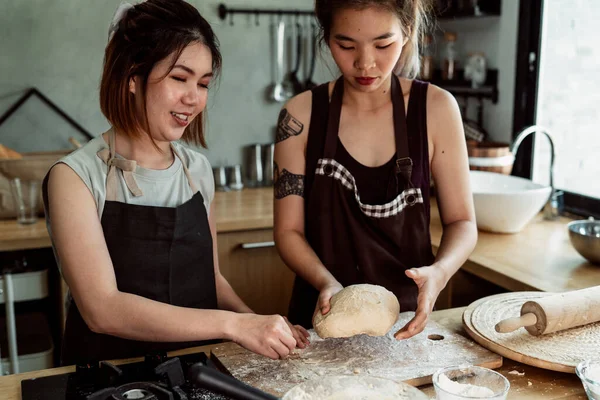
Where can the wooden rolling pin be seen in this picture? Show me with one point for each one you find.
(556, 313)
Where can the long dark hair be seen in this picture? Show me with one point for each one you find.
(413, 15)
(148, 33)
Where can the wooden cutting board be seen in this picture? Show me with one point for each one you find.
(559, 351)
(412, 361)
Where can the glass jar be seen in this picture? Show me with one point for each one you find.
(450, 62)
(427, 63)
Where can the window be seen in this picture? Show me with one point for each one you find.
(566, 98)
(569, 95)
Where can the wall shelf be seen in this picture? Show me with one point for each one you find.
(224, 11)
(461, 87)
(453, 9)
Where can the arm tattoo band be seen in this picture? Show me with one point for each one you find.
(287, 184)
(287, 126)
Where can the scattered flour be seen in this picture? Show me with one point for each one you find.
(462, 389)
(515, 372)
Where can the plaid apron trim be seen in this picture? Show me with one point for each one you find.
(409, 197)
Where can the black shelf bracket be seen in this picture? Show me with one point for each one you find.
(34, 92)
(224, 11)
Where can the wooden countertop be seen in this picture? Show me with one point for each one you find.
(14, 236)
(526, 382)
(243, 210)
(235, 211)
(538, 258)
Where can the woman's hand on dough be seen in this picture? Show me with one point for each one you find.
(325, 296)
(430, 282)
(268, 335)
(300, 334)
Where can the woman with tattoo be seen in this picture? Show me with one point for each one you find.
(354, 160)
(131, 215)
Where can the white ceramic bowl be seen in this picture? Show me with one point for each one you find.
(505, 203)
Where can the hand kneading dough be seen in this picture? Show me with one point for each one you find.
(358, 309)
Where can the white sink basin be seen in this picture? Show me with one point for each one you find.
(505, 203)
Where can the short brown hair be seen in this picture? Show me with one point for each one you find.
(413, 15)
(148, 33)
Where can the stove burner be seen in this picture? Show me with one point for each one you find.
(157, 377)
(142, 391)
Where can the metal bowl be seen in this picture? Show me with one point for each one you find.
(585, 237)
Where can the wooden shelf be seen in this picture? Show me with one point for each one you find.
(484, 8)
(462, 87)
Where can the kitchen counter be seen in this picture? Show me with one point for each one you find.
(538, 258)
(526, 382)
(235, 211)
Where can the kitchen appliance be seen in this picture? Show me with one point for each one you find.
(268, 151)
(156, 377)
(253, 165)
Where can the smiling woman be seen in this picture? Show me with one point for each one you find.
(131, 215)
(187, 54)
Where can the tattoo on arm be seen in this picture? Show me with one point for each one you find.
(287, 184)
(287, 126)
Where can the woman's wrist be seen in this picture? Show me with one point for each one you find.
(326, 282)
(229, 322)
(444, 274)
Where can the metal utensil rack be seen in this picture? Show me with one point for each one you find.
(224, 11)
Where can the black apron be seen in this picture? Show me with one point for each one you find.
(358, 242)
(160, 253)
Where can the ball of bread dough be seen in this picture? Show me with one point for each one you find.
(358, 309)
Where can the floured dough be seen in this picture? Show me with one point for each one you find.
(358, 309)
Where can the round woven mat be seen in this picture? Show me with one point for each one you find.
(565, 348)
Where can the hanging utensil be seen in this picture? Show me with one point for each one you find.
(297, 86)
(278, 92)
(309, 84)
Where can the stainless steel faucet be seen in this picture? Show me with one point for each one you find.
(552, 207)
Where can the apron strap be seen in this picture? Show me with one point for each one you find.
(186, 170)
(128, 167)
(404, 163)
(333, 120)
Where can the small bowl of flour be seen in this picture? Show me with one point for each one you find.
(589, 373)
(469, 382)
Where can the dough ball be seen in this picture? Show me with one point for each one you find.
(358, 309)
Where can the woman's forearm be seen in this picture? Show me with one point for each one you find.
(134, 317)
(228, 299)
(301, 258)
(457, 244)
